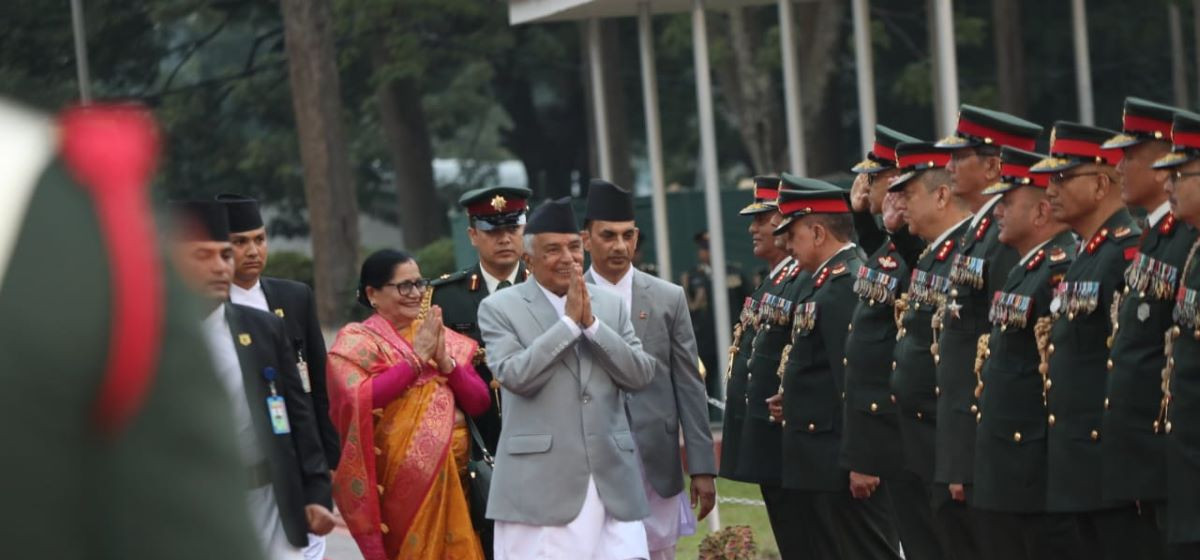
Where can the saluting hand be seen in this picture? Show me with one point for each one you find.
(860, 193)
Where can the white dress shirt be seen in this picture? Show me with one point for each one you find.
(491, 281)
(1157, 215)
(623, 287)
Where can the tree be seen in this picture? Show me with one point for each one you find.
(317, 102)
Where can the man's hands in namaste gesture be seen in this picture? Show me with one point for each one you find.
(579, 303)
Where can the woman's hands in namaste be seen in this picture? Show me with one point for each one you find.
(429, 336)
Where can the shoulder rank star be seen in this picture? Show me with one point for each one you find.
(983, 227)
(1097, 240)
(944, 252)
(821, 277)
(1036, 260)
(1168, 224)
(498, 203)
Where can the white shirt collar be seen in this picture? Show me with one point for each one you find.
(786, 262)
(492, 281)
(983, 210)
(838, 252)
(623, 287)
(254, 297)
(947, 233)
(1033, 251)
(1157, 215)
(558, 302)
(216, 318)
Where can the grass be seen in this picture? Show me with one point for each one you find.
(735, 514)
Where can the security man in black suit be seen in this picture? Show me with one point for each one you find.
(937, 216)
(288, 492)
(1180, 403)
(763, 217)
(871, 448)
(1009, 497)
(497, 223)
(1084, 192)
(809, 405)
(1134, 452)
(978, 267)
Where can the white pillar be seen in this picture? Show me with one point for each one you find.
(1083, 63)
(1178, 56)
(791, 89)
(599, 104)
(81, 56)
(658, 196)
(1196, 24)
(946, 79)
(865, 72)
(712, 197)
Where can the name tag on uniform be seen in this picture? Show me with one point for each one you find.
(278, 412)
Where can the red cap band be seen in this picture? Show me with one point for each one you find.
(884, 152)
(1146, 125)
(997, 137)
(1080, 148)
(937, 158)
(766, 193)
(1186, 139)
(488, 207)
(818, 206)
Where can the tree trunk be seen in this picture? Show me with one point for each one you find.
(1010, 58)
(419, 209)
(753, 103)
(328, 188)
(821, 31)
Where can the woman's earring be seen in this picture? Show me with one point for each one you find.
(374, 305)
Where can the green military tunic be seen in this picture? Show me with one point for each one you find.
(1132, 447)
(1078, 365)
(737, 368)
(914, 385)
(979, 267)
(758, 445)
(1181, 410)
(1010, 466)
(169, 484)
(459, 295)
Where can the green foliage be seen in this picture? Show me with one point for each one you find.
(437, 258)
(290, 265)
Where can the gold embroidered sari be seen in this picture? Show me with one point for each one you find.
(398, 485)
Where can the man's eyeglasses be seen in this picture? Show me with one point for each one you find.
(410, 287)
(1062, 176)
(1180, 175)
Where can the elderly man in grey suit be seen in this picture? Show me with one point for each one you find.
(676, 398)
(566, 482)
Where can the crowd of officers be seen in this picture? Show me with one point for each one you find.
(982, 351)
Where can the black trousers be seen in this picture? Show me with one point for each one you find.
(954, 524)
(912, 515)
(1027, 536)
(832, 525)
(1120, 533)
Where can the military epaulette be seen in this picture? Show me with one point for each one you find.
(946, 248)
(1037, 259)
(1058, 254)
(829, 272)
(1096, 241)
(983, 227)
(1168, 224)
(474, 286)
(448, 278)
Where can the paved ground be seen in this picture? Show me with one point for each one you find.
(340, 546)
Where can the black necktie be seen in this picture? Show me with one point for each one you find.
(503, 284)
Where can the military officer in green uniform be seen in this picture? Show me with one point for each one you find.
(1084, 192)
(978, 267)
(937, 216)
(1134, 454)
(809, 405)
(497, 223)
(871, 449)
(121, 443)
(697, 286)
(1009, 497)
(762, 212)
(1180, 402)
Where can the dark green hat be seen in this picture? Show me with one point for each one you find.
(1014, 171)
(204, 220)
(608, 202)
(1074, 144)
(766, 190)
(914, 157)
(243, 212)
(553, 216)
(978, 126)
(883, 154)
(493, 207)
(801, 196)
(1185, 139)
(1143, 120)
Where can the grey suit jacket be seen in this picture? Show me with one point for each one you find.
(563, 418)
(676, 397)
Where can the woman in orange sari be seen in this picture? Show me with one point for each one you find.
(399, 387)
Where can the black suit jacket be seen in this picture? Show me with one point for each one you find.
(294, 302)
(299, 473)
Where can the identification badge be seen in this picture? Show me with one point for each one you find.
(278, 412)
(302, 367)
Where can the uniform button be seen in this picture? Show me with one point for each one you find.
(874, 407)
(1051, 348)
(1156, 426)
(893, 399)
(587, 399)
(1048, 384)
(845, 362)
(843, 395)
(920, 415)
(893, 365)
(749, 377)
(1110, 364)
(978, 417)
(378, 451)
(953, 292)
(1050, 420)
(937, 391)
(974, 408)
(812, 427)
(1168, 426)
(783, 423)
(1017, 437)
(1106, 405)
(1095, 435)
(850, 327)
